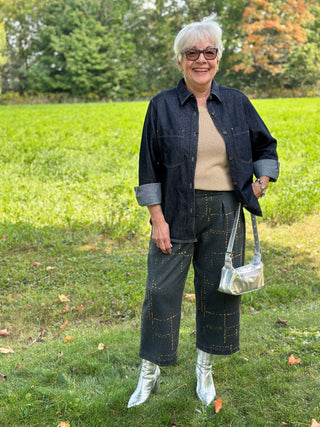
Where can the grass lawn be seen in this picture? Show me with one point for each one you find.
(73, 263)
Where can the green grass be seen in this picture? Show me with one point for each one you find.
(67, 203)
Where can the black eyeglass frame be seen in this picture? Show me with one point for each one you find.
(199, 51)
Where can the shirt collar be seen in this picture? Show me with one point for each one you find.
(184, 94)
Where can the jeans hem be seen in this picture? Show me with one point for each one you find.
(158, 361)
(218, 352)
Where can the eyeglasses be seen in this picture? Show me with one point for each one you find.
(210, 53)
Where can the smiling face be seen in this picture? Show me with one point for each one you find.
(198, 74)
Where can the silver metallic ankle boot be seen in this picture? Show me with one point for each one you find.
(149, 381)
(205, 386)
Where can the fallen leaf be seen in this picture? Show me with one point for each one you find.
(50, 268)
(282, 322)
(95, 249)
(6, 350)
(174, 422)
(17, 368)
(40, 337)
(80, 307)
(68, 338)
(190, 297)
(218, 404)
(101, 346)
(4, 377)
(253, 312)
(63, 424)
(60, 354)
(4, 333)
(120, 315)
(65, 309)
(74, 368)
(315, 423)
(64, 325)
(36, 264)
(4, 238)
(293, 361)
(63, 298)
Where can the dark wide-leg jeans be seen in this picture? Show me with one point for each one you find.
(217, 314)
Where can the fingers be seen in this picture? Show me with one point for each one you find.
(166, 247)
(161, 237)
(163, 244)
(257, 191)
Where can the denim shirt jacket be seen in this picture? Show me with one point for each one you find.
(168, 152)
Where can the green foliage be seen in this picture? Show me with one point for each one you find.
(88, 153)
(123, 49)
(295, 125)
(81, 52)
(3, 43)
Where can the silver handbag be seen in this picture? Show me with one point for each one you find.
(248, 278)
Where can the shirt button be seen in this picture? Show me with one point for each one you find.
(225, 132)
(234, 183)
(190, 185)
(192, 158)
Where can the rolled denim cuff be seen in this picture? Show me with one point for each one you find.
(267, 167)
(149, 194)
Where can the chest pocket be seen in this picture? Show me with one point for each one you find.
(242, 144)
(173, 148)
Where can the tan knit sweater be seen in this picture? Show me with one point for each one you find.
(212, 171)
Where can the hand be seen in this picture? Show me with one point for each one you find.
(161, 237)
(160, 229)
(256, 187)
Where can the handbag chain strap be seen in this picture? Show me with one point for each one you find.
(257, 247)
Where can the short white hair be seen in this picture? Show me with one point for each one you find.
(207, 29)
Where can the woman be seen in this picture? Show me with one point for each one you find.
(201, 146)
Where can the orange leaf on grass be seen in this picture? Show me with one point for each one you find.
(36, 264)
(218, 404)
(80, 307)
(64, 325)
(293, 361)
(68, 338)
(63, 424)
(63, 298)
(190, 297)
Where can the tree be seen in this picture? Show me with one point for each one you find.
(303, 66)
(22, 20)
(3, 43)
(83, 47)
(273, 30)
